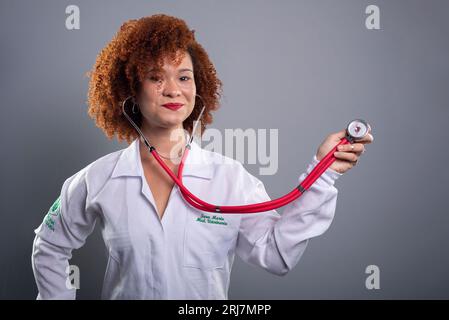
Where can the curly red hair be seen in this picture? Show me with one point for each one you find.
(122, 64)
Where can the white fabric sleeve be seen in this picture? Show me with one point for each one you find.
(276, 242)
(65, 227)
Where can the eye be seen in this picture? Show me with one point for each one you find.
(154, 78)
(185, 77)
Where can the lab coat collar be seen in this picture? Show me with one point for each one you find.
(129, 163)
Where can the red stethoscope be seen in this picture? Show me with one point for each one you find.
(356, 130)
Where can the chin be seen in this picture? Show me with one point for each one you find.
(174, 117)
(170, 122)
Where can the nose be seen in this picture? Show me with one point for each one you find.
(171, 89)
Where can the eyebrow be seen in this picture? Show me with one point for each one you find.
(180, 70)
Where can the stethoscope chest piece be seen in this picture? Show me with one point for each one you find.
(357, 129)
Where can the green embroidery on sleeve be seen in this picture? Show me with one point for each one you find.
(53, 213)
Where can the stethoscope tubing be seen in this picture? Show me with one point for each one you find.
(196, 202)
(319, 169)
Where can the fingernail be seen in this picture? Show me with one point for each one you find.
(340, 148)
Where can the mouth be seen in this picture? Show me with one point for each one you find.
(173, 106)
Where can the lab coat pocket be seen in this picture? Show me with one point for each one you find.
(208, 239)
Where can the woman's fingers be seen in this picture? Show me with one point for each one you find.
(348, 156)
(356, 147)
(366, 139)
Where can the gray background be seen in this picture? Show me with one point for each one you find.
(310, 67)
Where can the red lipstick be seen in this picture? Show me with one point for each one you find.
(173, 106)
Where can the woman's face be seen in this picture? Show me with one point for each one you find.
(172, 84)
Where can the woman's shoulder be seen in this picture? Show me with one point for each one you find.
(94, 176)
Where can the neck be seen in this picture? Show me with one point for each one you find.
(167, 141)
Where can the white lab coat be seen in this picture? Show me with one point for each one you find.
(178, 256)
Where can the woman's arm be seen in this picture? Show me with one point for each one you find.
(276, 242)
(65, 227)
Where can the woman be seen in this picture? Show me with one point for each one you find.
(159, 247)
